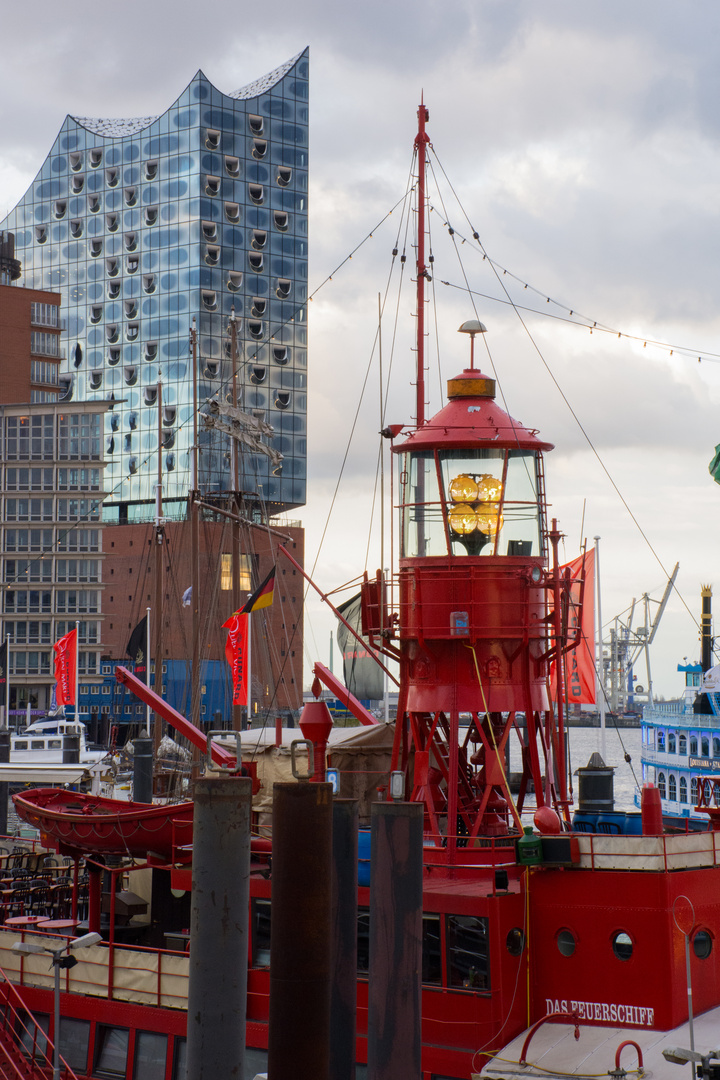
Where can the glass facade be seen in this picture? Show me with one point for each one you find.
(142, 225)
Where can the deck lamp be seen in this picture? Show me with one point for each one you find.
(60, 959)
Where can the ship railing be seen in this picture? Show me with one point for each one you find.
(684, 851)
(25, 1049)
(134, 973)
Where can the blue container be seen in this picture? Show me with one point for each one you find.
(364, 857)
(612, 822)
(584, 821)
(633, 823)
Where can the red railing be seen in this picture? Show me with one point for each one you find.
(26, 1051)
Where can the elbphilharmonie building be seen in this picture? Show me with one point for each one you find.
(144, 225)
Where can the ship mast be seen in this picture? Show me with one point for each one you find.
(421, 143)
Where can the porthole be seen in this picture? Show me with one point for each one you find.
(702, 944)
(622, 945)
(515, 941)
(566, 942)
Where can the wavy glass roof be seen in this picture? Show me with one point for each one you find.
(144, 225)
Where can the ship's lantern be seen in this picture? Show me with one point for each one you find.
(474, 502)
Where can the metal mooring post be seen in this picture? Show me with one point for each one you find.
(219, 922)
(299, 1035)
(394, 980)
(343, 1003)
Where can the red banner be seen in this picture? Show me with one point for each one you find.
(235, 653)
(65, 665)
(579, 663)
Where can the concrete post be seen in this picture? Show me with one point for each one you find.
(219, 922)
(395, 975)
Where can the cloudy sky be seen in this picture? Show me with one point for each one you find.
(580, 141)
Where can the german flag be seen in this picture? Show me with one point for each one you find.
(262, 597)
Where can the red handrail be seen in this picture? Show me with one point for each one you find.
(13, 1017)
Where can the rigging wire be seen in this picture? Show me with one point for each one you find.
(572, 411)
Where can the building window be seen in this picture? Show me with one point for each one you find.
(672, 788)
(45, 314)
(705, 746)
(42, 344)
(671, 743)
(661, 784)
(693, 745)
(660, 740)
(683, 789)
(682, 744)
(111, 1050)
(694, 791)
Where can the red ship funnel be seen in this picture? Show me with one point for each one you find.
(651, 809)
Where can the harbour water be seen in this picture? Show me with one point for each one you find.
(586, 741)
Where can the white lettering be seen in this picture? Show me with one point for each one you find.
(573, 1006)
(598, 1011)
(581, 1010)
(651, 1014)
(621, 1019)
(563, 1006)
(548, 1006)
(643, 1015)
(557, 1006)
(614, 1013)
(606, 1012)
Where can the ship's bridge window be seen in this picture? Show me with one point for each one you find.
(671, 743)
(260, 933)
(474, 502)
(150, 1055)
(660, 741)
(468, 956)
(682, 744)
(622, 945)
(702, 944)
(74, 1039)
(111, 1049)
(431, 951)
(565, 942)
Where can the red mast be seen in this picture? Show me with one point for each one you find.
(421, 142)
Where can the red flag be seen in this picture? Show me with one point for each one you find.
(579, 663)
(235, 653)
(65, 664)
